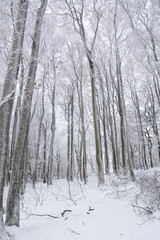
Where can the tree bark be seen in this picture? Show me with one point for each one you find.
(13, 200)
(95, 121)
(8, 93)
(50, 159)
(35, 173)
(16, 120)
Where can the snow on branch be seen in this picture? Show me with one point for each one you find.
(7, 98)
(145, 209)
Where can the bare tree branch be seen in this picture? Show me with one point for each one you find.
(145, 209)
(39, 215)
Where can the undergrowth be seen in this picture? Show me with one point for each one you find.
(147, 197)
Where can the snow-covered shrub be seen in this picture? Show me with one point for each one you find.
(148, 194)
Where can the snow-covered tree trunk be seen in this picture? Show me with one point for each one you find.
(35, 173)
(13, 200)
(8, 94)
(16, 116)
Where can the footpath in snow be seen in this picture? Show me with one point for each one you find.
(83, 213)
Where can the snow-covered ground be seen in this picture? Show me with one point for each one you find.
(82, 212)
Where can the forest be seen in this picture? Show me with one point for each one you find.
(79, 99)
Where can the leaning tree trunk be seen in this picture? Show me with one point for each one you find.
(8, 94)
(13, 200)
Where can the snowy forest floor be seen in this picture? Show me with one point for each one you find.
(73, 211)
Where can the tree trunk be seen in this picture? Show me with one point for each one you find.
(50, 159)
(95, 120)
(81, 153)
(141, 133)
(126, 160)
(13, 200)
(44, 154)
(70, 150)
(8, 94)
(68, 142)
(154, 121)
(104, 120)
(35, 173)
(72, 140)
(113, 128)
(149, 146)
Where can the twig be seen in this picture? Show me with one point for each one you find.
(74, 231)
(91, 209)
(145, 209)
(70, 194)
(65, 212)
(81, 189)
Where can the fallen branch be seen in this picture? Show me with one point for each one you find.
(39, 215)
(91, 209)
(65, 212)
(145, 209)
(72, 231)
